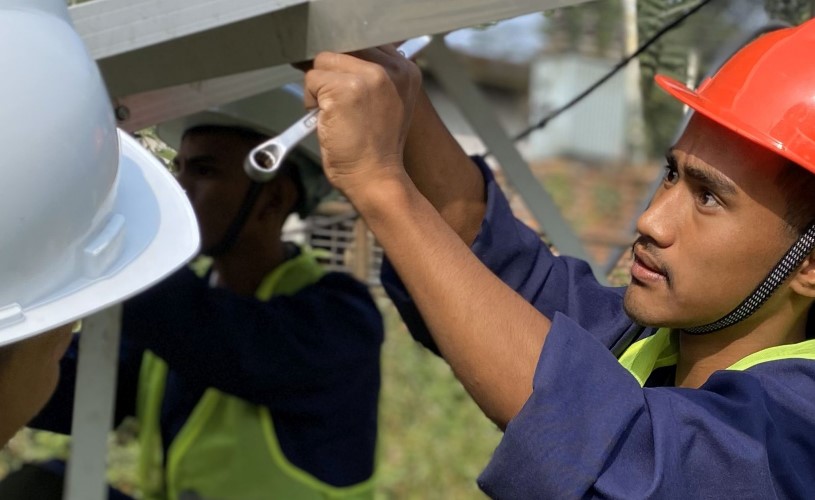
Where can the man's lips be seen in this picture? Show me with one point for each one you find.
(645, 268)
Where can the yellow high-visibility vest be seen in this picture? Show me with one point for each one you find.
(228, 449)
(662, 349)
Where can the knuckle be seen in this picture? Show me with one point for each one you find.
(379, 76)
(322, 59)
(357, 85)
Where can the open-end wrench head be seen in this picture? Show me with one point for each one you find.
(263, 162)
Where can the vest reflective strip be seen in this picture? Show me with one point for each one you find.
(153, 375)
(801, 350)
(662, 349)
(287, 279)
(650, 353)
(359, 489)
(186, 438)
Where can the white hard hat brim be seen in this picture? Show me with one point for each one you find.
(159, 236)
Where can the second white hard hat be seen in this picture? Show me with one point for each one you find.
(87, 216)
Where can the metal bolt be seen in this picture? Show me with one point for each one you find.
(122, 113)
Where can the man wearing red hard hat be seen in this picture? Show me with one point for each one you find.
(695, 381)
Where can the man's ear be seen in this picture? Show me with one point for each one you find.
(279, 197)
(803, 281)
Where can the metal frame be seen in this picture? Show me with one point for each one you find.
(93, 405)
(145, 109)
(453, 77)
(144, 45)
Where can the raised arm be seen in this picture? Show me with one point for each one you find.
(433, 157)
(489, 334)
(313, 341)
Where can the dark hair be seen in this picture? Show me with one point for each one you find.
(5, 353)
(289, 168)
(798, 185)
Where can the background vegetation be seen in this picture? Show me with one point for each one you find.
(597, 28)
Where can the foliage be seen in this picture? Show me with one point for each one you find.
(790, 11)
(704, 34)
(596, 28)
(434, 439)
(149, 139)
(593, 28)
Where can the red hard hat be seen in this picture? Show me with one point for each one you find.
(765, 92)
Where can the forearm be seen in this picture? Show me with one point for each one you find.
(260, 351)
(489, 335)
(443, 172)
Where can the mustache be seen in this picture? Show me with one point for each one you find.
(648, 248)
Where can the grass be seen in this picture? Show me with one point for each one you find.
(435, 440)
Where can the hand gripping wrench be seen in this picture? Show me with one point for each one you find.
(265, 160)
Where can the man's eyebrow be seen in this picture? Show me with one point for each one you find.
(200, 158)
(704, 175)
(670, 157)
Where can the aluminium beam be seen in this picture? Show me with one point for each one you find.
(144, 45)
(137, 111)
(94, 403)
(452, 76)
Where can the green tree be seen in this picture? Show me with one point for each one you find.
(702, 35)
(790, 11)
(715, 27)
(595, 28)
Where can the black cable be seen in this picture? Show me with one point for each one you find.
(620, 65)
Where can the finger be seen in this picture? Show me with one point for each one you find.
(377, 56)
(343, 63)
(317, 81)
(377, 66)
(303, 65)
(387, 57)
(391, 49)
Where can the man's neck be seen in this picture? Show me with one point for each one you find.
(701, 355)
(243, 268)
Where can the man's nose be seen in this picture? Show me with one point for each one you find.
(660, 219)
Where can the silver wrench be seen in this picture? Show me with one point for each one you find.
(265, 160)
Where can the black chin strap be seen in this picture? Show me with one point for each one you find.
(785, 267)
(231, 234)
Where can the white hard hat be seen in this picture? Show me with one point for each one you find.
(87, 216)
(269, 114)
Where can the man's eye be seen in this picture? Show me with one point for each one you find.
(202, 170)
(706, 199)
(671, 175)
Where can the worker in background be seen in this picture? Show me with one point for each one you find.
(87, 216)
(255, 372)
(695, 381)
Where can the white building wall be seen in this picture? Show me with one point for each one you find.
(595, 128)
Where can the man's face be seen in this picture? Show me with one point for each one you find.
(209, 167)
(28, 376)
(712, 232)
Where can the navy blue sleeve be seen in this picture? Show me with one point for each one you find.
(516, 254)
(57, 416)
(260, 351)
(590, 431)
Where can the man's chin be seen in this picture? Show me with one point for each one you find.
(639, 312)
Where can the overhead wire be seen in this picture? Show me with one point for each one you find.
(620, 65)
